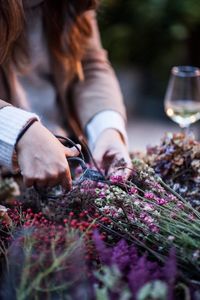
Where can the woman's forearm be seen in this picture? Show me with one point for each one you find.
(41, 157)
(12, 121)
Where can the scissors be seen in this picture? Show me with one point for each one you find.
(87, 173)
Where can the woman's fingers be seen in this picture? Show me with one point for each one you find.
(123, 168)
(42, 158)
(65, 178)
(28, 182)
(59, 174)
(71, 152)
(112, 155)
(114, 162)
(62, 176)
(98, 154)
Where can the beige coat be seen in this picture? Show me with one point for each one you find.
(97, 92)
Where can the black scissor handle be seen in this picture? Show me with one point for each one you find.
(67, 141)
(79, 160)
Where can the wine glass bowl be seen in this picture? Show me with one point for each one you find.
(182, 99)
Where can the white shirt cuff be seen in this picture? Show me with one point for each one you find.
(105, 120)
(12, 121)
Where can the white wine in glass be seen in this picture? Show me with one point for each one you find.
(182, 99)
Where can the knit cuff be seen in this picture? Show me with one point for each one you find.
(105, 120)
(12, 121)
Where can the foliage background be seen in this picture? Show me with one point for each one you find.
(151, 36)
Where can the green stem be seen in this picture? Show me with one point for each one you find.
(177, 195)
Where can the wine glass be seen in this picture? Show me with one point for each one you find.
(182, 99)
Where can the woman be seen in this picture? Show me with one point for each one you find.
(54, 69)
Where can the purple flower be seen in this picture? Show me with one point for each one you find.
(105, 254)
(120, 255)
(142, 272)
(133, 254)
(170, 268)
(170, 272)
(137, 270)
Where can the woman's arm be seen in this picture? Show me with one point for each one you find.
(99, 91)
(99, 104)
(41, 157)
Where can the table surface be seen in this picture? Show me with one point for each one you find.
(142, 133)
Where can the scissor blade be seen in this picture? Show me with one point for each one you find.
(93, 175)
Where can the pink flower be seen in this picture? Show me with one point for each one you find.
(154, 228)
(172, 197)
(100, 185)
(161, 201)
(133, 190)
(148, 220)
(143, 215)
(149, 195)
(148, 207)
(102, 194)
(171, 238)
(196, 254)
(191, 217)
(116, 179)
(180, 205)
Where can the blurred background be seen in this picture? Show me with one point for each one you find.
(144, 40)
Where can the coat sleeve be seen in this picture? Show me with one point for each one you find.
(12, 121)
(3, 104)
(99, 91)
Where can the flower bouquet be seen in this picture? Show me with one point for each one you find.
(138, 239)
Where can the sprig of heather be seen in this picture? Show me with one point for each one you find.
(160, 218)
(135, 271)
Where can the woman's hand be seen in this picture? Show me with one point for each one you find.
(42, 158)
(111, 149)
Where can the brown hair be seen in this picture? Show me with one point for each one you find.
(67, 27)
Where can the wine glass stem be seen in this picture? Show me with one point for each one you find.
(186, 130)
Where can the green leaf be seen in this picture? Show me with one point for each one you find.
(101, 293)
(125, 294)
(155, 290)
(109, 276)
